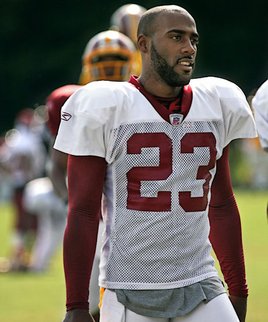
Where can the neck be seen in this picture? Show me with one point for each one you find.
(158, 87)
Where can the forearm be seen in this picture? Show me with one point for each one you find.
(78, 254)
(58, 179)
(85, 182)
(225, 232)
(57, 172)
(226, 239)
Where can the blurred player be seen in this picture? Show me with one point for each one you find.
(24, 160)
(109, 55)
(260, 108)
(40, 200)
(158, 146)
(126, 19)
(5, 183)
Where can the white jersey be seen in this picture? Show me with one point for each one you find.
(158, 178)
(40, 199)
(260, 107)
(25, 156)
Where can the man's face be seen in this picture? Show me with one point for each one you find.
(167, 72)
(174, 48)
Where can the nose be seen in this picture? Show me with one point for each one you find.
(188, 47)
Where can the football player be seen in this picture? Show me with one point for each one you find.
(158, 148)
(260, 107)
(109, 55)
(40, 200)
(126, 19)
(23, 160)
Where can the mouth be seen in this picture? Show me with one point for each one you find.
(186, 63)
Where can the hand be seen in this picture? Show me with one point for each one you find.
(78, 315)
(240, 306)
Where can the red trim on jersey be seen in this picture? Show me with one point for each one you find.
(184, 107)
(225, 231)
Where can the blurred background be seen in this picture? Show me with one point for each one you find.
(41, 43)
(41, 47)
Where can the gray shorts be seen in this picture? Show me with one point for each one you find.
(218, 309)
(170, 303)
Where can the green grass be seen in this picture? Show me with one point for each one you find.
(255, 235)
(252, 205)
(28, 297)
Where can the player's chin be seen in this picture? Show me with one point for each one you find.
(187, 72)
(185, 78)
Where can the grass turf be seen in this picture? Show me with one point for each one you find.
(40, 297)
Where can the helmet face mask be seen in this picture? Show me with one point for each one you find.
(108, 56)
(109, 70)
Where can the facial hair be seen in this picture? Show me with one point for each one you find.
(166, 72)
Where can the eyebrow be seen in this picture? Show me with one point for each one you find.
(183, 32)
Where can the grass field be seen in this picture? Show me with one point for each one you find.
(28, 297)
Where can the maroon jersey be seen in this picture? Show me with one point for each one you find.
(54, 104)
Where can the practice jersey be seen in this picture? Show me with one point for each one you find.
(40, 199)
(25, 156)
(260, 107)
(54, 104)
(158, 178)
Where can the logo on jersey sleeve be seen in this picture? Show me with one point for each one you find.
(65, 116)
(175, 118)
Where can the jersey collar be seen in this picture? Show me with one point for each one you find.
(186, 100)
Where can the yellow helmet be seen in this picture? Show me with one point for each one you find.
(109, 55)
(126, 19)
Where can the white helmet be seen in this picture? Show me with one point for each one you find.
(126, 19)
(108, 56)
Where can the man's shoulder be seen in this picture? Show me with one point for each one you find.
(104, 85)
(216, 85)
(262, 93)
(212, 82)
(59, 96)
(105, 93)
(63, 91)
(263, 87)
(100, 98)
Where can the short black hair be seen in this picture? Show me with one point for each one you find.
(146, 23)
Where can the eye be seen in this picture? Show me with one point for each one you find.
(177, 37)
(195, 41)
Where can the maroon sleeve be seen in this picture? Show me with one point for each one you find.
(225, 234)
(85, 183)
(54, 103)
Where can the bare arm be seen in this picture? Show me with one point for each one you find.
(57, 172)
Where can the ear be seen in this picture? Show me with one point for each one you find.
(142, 43)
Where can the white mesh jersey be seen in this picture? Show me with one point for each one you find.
(159, 176)
(260, 107)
